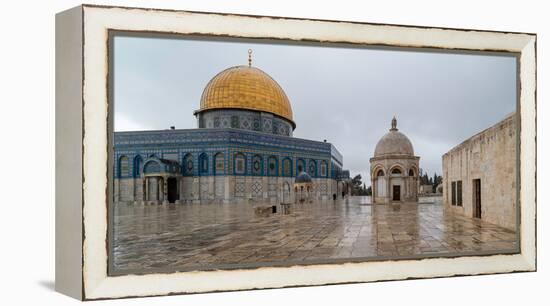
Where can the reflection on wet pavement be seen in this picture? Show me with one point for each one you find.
(194, 236)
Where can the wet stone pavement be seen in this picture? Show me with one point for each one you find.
(195, 237)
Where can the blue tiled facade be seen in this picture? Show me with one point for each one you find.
(195, 149)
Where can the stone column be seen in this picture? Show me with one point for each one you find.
(211, 187)
(247, 188)
(196, 190)
(293, 192)
(184, 189)
(230, 188)
(280, 190)
(388, 190)
(153, 185)
(265, 187)
(372, 194)
(146, 191)
(180, 189)
(159, 189)
(142, 189)
(406, 194)
(135, 191)
(165, 190)
(416, 188)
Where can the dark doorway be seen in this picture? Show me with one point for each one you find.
(172, 189)
(477, 198)
(397, 193)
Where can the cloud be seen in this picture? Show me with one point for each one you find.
(126, 123)
(345, 95)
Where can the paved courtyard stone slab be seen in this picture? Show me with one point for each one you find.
(207, 236)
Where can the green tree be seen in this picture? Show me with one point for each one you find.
(356, 185)
(425, 179)
(438, 179)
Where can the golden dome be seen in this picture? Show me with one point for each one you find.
(245, 87)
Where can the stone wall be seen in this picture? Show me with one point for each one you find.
(225, 188)
(489, 156)
(426, 189)
(124, 190)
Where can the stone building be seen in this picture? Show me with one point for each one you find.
(243, 149)
(394, 168)
(480, 175)
(426, 189)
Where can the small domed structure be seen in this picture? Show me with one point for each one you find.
(303, 187)
(303, 177)
(394, 168)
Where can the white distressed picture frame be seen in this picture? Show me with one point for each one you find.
(82, 155)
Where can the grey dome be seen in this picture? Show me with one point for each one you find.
(303, 177)
(394, 143)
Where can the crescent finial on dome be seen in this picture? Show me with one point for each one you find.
(393, 124)
(249, 57)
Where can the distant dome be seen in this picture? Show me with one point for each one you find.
(303, 177)
(394, 143)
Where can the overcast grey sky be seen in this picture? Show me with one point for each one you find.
(345, 95)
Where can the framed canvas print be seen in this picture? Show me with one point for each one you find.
(201, 152)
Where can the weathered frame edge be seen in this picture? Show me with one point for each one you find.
(68, 153)
(529, 263)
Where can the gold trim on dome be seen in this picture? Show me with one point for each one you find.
(244, 87)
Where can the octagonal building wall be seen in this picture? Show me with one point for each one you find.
(407, 179)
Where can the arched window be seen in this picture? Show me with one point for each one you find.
(219, 163)
(137, 166)
(411, 172)
(257, 165)
(312, 169)
(151, 167)
(123, 170)
(287, 167)
(272, 166)
(300, 166)
(324, 169)
(187, 165)
(239, 164)
(203, 164)
(396, 171)
(380, 173)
